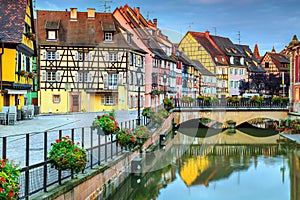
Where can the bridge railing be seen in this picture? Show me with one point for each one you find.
(244, 103)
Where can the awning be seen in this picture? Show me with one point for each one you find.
(10, 91)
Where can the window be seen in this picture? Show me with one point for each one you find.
(129, 39)
(236, 71)
(267, 65)
(113, 57)
(51, 55)
(130, 59)
(231, 60)
(108, 37)
(109, 100)
(51, 35)
(27, 67)
(51, 76)
(56, 98)
(112, 81)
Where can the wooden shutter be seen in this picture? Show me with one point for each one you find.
(44, 55)
(105, 81)
(57, 55)
(58, 76)
(44, 76)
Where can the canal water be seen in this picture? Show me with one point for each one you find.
(215, 169)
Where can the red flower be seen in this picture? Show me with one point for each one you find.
(57, 140)
(1, 190)
(132, 139)
(67, 137)
(111, 117)
(76, 149)
(78, 143)
(2, 179)
(10, 194)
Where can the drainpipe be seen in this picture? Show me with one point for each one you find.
(1, 53)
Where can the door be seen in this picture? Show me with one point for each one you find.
(75, 103)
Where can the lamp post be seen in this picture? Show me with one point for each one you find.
(139, 76)
(165, 81)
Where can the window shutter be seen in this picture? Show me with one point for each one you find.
(120, 57)
(57, 55)
(75, 76)
(76, 56)
(58, 76)
(90, 77)
(44, 76)
(120, 76)
(44, 55)
(30, 64)
(105, 81)
(90, 56)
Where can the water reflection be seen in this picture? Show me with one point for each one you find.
(199, 169)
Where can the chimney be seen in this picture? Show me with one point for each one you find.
(137, 11)
(206, 33)
(73, 14)
(91, 13)
(155, 22)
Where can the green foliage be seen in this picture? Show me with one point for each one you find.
(64, 154)
(257, 99)
(146, 112)
(186, 99)
(156, 92)
(126, 138)
(210, 100)
(9, 179)
(107, 122)
(234, 100)
(168, 104)
(141, 131)
(158, 117)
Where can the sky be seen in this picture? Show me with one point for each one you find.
(268, 23)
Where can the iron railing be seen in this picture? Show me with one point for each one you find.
(31, 152)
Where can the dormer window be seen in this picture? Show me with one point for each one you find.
(108, 37)
(52, 28)
(51, 35)
(129, 38)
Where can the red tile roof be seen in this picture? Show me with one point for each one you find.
(80, 32)
(12, 16)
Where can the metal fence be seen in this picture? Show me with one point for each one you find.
(31, 152)
(222, 103)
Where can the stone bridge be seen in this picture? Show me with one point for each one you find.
(239, 115)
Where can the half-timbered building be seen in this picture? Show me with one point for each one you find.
(88, 62)
(17, 52)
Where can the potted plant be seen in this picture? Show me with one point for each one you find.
(146, 112)
(142, 133)
(66, 155)
(9, 179)
(106, 124)
(126, 139)
(31, 75)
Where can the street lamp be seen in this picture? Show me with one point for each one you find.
(139, 77)
(165, 81)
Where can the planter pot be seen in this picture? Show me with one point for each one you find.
(100, 131)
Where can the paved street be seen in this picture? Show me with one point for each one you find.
(43, 123)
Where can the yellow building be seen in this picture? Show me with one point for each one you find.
(200, 47)
(17, 50)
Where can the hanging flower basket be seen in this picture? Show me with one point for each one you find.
(65, 155)
(106, 124)
(126, 139)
